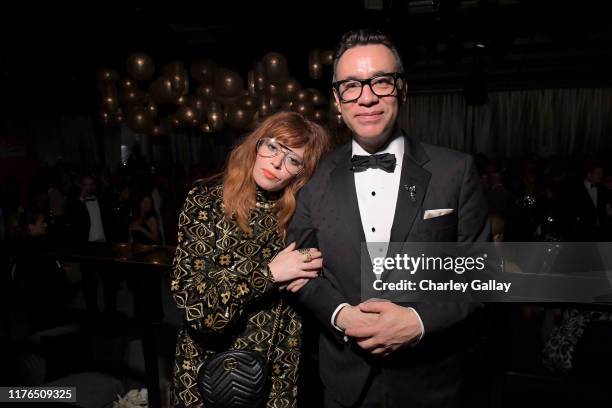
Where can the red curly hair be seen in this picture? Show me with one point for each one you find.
(291, 129)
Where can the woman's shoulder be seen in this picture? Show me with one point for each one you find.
(206, 190)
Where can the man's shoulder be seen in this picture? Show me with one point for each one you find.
(332, 159)
(444, 154)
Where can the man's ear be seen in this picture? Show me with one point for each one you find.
(403, 91)
(337, 99)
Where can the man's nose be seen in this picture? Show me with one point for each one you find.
(368, 97)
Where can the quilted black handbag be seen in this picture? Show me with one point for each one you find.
(237, 378)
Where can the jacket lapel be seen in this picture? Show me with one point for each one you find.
(413, 186)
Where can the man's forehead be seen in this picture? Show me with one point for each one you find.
(364, 61)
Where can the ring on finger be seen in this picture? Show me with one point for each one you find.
(306, 252)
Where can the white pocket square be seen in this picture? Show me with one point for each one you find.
(437, 213)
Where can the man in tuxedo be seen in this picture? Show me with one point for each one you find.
(384, 186)
(87, 222)
(587, 203)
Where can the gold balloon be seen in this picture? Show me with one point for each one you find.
(317, 97)
(105, 118)
(239, 118)
(109, 103)
(140, 66)
(162, 90)
(251, 85)
(158, 130)
(107, 75)
(261, 76)
(315, 68)
(287, 106)
(188, 115)
(228, 83)
(182, 100)
(275, 103)
(174, 67)
(327, 57)
(175, 122)
(319, 115)
(197, 102)
(306, 108)
(303, 95)
(119, 118)
(290, 89)
(203, 71)
(264, 106)
(126, 83)
(151, 108)
(180, 83)
(139, 121)
(205, 127)
(131, 95)
(276, 67)
(215, 116)
(248, 102)
(273, 90)
(205, 90)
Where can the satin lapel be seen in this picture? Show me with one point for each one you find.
(345, 196)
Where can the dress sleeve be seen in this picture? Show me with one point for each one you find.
(205, 284)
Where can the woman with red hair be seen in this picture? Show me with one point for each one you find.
(231, 261)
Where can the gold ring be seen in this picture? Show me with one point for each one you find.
(306, 252)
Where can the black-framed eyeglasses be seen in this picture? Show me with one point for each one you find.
(267, 147)
(349, 90)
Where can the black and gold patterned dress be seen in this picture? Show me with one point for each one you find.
(220, 281)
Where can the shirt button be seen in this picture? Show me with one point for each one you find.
(373, 229)
(373, 193)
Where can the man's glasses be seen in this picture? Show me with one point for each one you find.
(270, 148)
(349, 90)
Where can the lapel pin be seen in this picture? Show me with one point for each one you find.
(412, 191)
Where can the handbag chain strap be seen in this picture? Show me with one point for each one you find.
(275, 328)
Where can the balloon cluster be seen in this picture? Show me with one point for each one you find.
(218, 95)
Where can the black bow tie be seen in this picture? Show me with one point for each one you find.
(385, 161)
(89, 199)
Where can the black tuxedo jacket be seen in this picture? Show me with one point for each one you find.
(585, 221)
(327, 217)
(78, 222)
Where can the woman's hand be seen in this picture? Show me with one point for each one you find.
(291, 264)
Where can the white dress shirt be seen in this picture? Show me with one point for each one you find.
(377, 192)
(96, 229)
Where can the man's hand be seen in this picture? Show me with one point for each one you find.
(350, 317)
(396, 327)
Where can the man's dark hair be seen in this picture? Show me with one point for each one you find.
(365, 36)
